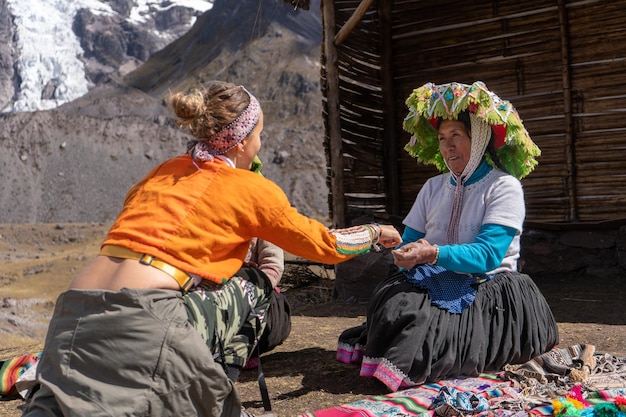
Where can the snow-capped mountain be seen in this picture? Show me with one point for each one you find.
(62, 48)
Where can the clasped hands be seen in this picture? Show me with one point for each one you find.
(414, 253)
(409, 255)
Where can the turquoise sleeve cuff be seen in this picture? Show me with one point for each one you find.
(410, 235)
(484, 255)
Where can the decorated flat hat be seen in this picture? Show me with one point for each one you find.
(513, 146)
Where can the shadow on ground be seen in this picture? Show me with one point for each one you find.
(578, 298)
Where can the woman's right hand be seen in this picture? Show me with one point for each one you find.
(389, 237)
(414, 253)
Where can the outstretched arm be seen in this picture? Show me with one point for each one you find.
(483, 255)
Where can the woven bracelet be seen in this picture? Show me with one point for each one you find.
(434, 262)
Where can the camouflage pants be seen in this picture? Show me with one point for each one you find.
(231, 317)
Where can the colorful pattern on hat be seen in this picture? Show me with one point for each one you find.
(514, 147)
(227, 138)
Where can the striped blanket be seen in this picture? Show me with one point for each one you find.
(11, 371)
(537, 388)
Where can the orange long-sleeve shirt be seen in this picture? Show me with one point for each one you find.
(202, 220)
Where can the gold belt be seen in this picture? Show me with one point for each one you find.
(184, 279)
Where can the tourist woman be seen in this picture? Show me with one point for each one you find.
(121, 342)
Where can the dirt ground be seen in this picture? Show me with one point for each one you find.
(38, 261)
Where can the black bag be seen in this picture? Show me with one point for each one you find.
(278, 323)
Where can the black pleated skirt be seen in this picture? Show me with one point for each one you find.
(407, 341)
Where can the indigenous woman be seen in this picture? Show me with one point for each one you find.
(123, 341)
(456, 304)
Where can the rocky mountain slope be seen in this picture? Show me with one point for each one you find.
(74, 163)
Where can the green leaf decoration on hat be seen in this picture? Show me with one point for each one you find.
(257, 165)
(514, 147)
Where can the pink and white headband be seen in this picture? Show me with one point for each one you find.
(227, 138)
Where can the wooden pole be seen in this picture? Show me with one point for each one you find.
(570, 151)
(333, 117)
(390, 131)
(353, 21)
